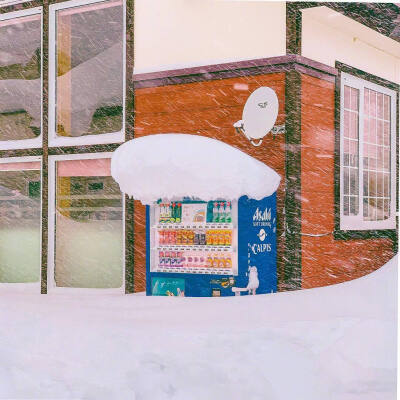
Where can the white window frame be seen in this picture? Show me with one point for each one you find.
(34, 142)
(104, 138)
(348, 222)
(30, 287)
(51, 282)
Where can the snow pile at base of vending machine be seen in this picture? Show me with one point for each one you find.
(332, 343)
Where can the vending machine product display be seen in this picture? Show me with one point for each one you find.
(193, 248)
(194, 237)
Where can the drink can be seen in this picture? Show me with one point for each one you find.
(167, 260)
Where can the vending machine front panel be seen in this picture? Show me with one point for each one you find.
(215, 248)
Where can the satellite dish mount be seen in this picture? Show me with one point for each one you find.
(259, 116)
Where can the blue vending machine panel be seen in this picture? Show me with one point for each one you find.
(257, 244)
(194, 254)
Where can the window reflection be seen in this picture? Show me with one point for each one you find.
(89, 225)
(20, 83)
(89, 69)
(20, 222)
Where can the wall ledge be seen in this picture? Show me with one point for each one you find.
(260, 66)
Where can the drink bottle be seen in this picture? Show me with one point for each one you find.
(221, 212)
(221, 238)
(215, 261)
(179, 259)
(196, 238)
(167, 212)
(172, 217)
(228, 212)
(208, 237)
(215, 213)
(190, 261)
(161, 258)
(201, 262)
(167, 259)
(173, 259)
(178, 216)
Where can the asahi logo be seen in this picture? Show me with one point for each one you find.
(262, 218)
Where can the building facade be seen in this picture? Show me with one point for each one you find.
(78, 78)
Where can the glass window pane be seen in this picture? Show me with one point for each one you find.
(386, 163)
(365, 208)
(379, 184)
(372, 103)
(20, 73)
(346, 123)
(366, 102)
(386, 106)
(372, 184)
(372, 130)
(386, 130)
(372, 209)
(354, 99)
(365, 183)
(372, 156)
(354, 126)
(89, 83)
(346, 205)
(379, 209)
(346, 180)
(347, 94)
(365, 155)
(379, 133)
(20, 235)
(89, 225)
(353, 205)
(386, 211)
(354, 181)
(380, 105)
(354, 153)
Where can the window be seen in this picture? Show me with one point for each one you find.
(87, 70)
(367, 155)
(21, 79)
(86, 220)
(20, 220)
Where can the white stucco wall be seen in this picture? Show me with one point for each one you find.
(328, 36)
(172, 34)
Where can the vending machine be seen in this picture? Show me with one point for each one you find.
(211, 248)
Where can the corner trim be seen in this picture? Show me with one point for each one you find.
(292, 253)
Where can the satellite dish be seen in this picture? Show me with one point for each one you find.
(259, 114)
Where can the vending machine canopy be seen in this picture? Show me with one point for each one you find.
(180, 165)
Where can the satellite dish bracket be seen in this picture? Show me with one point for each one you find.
(276, 130)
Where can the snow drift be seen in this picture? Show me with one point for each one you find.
(180, 165)
(332, 343)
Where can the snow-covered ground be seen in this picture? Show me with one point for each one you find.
(337, 342)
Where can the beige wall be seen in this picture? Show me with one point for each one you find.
(328, 36)
(171, 34)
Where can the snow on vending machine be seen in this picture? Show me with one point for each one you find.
(211, 248)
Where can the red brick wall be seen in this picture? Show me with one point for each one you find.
(209, 109)
(327, 261)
